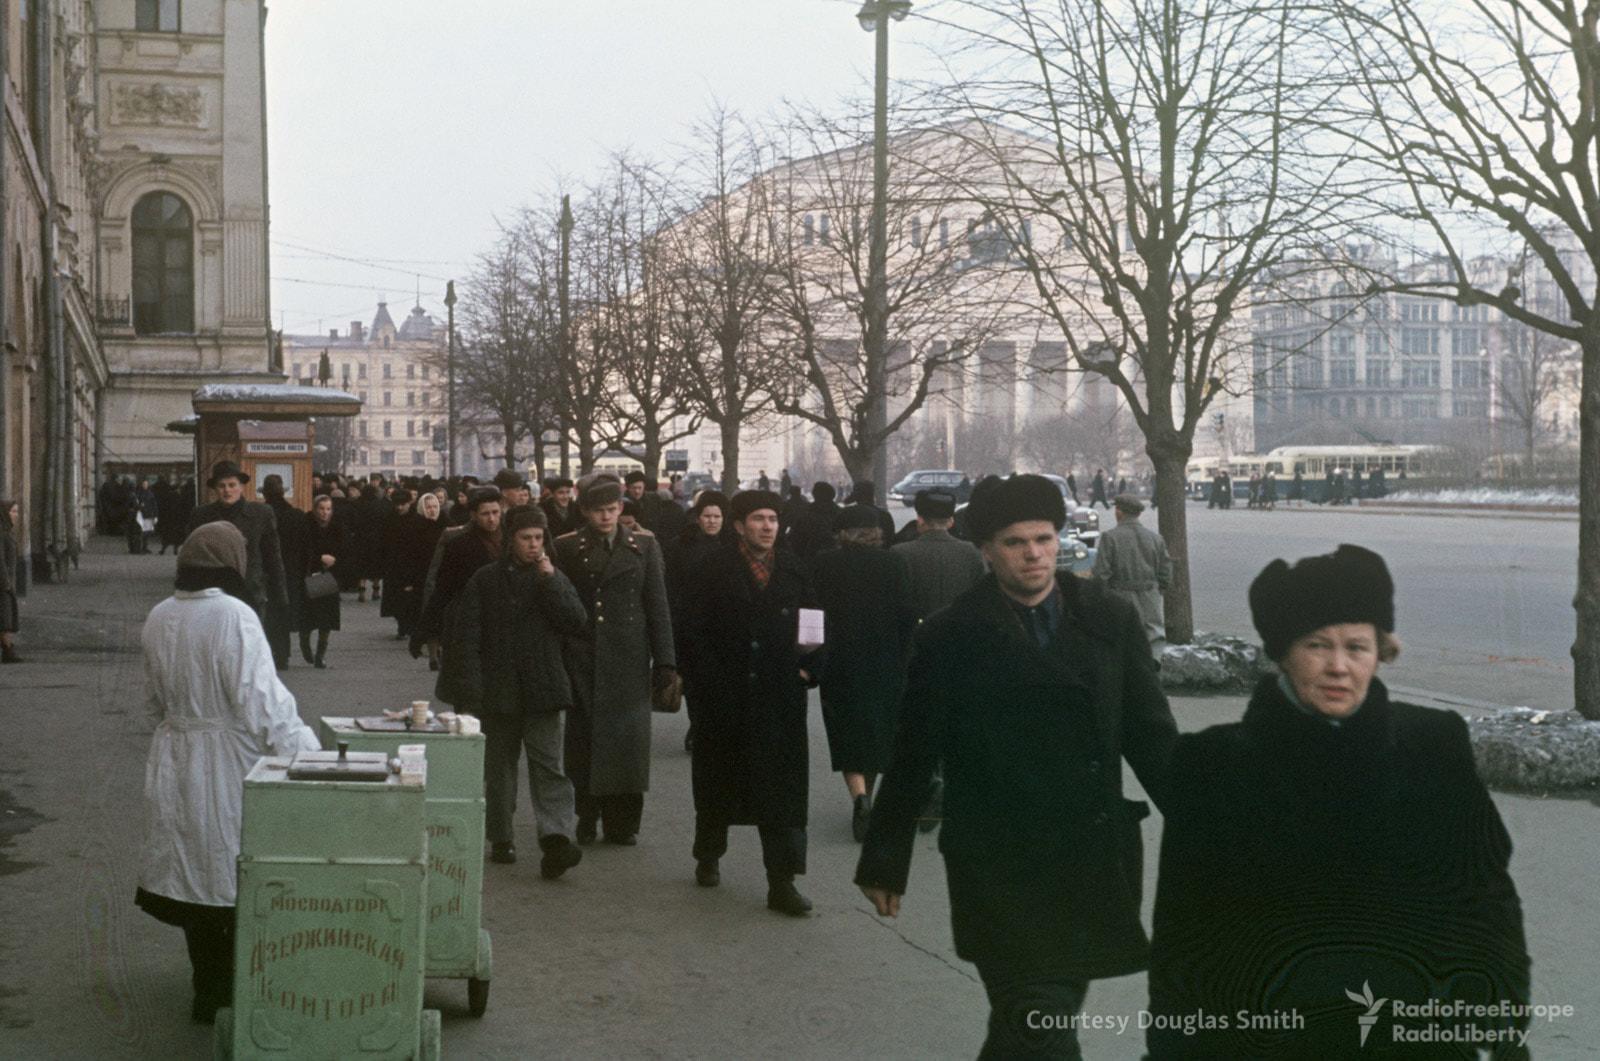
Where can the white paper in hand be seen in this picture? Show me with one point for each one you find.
(810, 628)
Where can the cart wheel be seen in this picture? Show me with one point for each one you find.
(477, 996)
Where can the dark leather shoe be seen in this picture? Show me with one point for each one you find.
(504, 852)
(786, 899)
(560, 855)
(587, 831)
(624, 840)
(860, 818)
(707, 874)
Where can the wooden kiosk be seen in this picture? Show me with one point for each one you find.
(268, 429)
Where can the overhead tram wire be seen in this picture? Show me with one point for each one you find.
(370, 263)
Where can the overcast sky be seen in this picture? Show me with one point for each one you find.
(399, 129)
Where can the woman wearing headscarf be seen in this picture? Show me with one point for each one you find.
(1333, 853)
(706, 528)
(327, 548)
(871, 613)
(217, 706)
(415, 537)
(10, 515)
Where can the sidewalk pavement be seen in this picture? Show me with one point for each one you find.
(624, 957)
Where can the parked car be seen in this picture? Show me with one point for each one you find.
(1075, 555)
(957, 483)
(1081, 519)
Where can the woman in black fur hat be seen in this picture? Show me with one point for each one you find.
(1332, 852)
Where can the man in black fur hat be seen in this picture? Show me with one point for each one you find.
(1031, 688)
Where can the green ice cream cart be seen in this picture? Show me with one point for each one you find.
(456, 945)
(332, 898)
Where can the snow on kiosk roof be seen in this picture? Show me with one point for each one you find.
(270, 401)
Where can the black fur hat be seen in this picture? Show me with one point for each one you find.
(1014, 500)
(524, 516)
(1348, 585)
(748, 501)
(855, 517)
(935, 504)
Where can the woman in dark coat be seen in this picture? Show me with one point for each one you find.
(415, 537)
(141, 512)
(385, 550)
(871, 614)
(1297, 487)
(365, 531)
(706, 529)
(1332, 853)
(10, 513)
(327, 546)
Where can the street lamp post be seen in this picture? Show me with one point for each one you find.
(450, 383)
(874, 17)
(564, 226)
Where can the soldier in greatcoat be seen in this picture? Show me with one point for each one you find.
(1132, 560)
(623, 652)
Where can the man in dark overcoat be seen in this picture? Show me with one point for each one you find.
(942, 566)
(623, 653)
(1031, 688)
(505, 665)
(480, 542)
(292, 529)
(751, 752)
(255, 520)
(559, 509)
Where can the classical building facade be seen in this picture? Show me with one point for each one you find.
(181, 189)
(395, 372)
(133, 242)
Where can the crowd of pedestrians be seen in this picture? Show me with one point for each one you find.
(965, 684)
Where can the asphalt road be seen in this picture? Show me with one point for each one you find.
(623, 958)
(1483, 604)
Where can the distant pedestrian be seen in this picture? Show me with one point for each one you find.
(283, 618)
(865, 593)
(708, 527)
(172, 514)
(1253, 491)
(795, 507)
(1375, 484)
(327, 546)
(113, 503)
(416, 536)
(941, 566)
(862, 493)
(785, 484)
(10, 619)
(762, 482)
(1297, 488)
(400, 502)
(217, 706)
(1357, 487)
(141, 516)
(1269, 491)
(1097, 489)
(1131, 559)
(749, 675)
(812, 532)
(505, 655)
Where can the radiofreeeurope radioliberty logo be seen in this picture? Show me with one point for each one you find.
(1370, 1017)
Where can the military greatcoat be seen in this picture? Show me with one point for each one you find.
(629, 630)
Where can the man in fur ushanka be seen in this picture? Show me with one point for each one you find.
(1031, 688)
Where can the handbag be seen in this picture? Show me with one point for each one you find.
(320, 585)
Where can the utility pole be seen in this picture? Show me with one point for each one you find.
(450, 383)
(874, 17)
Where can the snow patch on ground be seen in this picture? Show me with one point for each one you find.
(1487, 496)
(1214, 663)
(1524, 750)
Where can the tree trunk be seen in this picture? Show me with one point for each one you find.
(1586, 648)
(652, 450)
(1172, 521)
(730, 455)
(509, 450)
(860, 466)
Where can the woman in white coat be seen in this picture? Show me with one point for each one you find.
(217, 704)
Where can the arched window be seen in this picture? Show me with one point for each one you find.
(163, 265)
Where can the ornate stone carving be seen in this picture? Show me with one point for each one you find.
(155, 104)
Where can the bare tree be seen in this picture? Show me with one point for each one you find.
(1152, 163)
(1530, 371)
(941, 306)
(504, 368)
(648, 345)
(717, 253)
(1488, 113)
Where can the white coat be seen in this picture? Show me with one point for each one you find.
(218, 706)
